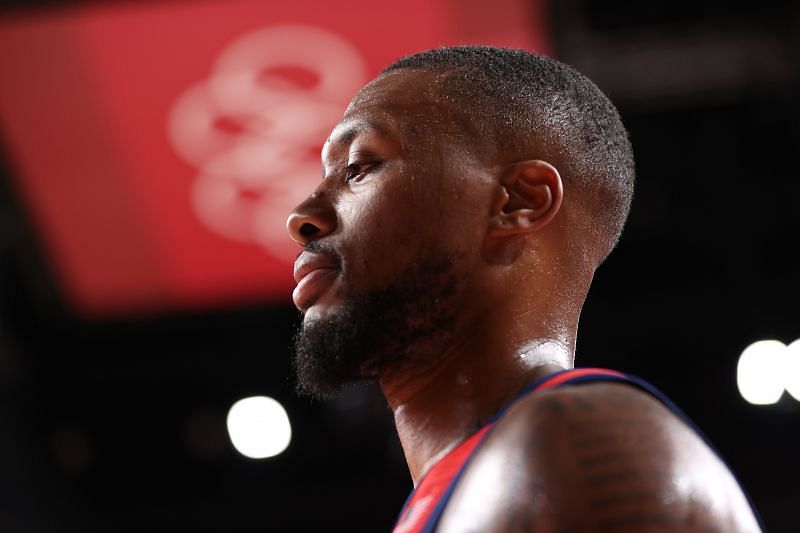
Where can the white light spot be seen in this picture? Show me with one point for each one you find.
(259, 427)
(760, 373)
(792, 373)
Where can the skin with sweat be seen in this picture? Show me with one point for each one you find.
(401, 189)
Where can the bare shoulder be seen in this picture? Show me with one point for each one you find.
(596, 457)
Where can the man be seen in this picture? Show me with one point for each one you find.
(467, 198)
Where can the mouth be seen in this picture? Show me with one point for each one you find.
(314, 274)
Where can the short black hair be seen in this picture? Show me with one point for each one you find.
(529, 106)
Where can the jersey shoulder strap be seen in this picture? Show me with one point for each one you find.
(559, 379)
(425, 505)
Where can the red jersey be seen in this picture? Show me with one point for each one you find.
(426, 503)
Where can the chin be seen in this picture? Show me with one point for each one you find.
(344, 342)
(320, 311)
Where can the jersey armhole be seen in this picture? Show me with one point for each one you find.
(575, 377)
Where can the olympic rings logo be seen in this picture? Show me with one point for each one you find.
(251, 131)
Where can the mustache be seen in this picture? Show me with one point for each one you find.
(322, 248)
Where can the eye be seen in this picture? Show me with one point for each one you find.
(355, 171)
(352, 171)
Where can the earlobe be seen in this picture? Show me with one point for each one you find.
(530, 197)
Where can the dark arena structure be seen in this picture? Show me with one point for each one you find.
(150, 153)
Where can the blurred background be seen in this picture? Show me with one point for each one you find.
(151, 151)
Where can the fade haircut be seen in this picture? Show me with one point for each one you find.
(517, 105)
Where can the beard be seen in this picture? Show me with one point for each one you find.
(401, 325)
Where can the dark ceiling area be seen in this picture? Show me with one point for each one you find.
(119, 425)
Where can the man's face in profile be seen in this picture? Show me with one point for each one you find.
(390, 237)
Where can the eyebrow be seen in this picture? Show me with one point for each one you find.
(355, 128)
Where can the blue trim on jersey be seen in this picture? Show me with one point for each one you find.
(433, 520)
(529, 388)
(642, 384)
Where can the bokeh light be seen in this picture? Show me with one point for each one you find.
(259, 427)
(760, 372)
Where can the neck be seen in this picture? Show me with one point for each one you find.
(437, 407)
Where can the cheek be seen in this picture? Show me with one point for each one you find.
(384, 231)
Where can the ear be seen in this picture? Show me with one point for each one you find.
(530, 197)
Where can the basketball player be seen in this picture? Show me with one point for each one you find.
(467, 198)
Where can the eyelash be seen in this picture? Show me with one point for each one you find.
(354, 170)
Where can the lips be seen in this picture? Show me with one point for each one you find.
(314, 273)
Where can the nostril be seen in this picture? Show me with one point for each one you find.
(308, 230)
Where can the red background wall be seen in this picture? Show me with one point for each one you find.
(87, 96)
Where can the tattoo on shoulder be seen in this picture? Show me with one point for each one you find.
(612, 452)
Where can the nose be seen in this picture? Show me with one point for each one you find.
(312, 219)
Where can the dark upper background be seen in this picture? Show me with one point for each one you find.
(118, 425)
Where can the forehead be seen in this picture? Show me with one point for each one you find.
(399, 103)
(402, 87)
